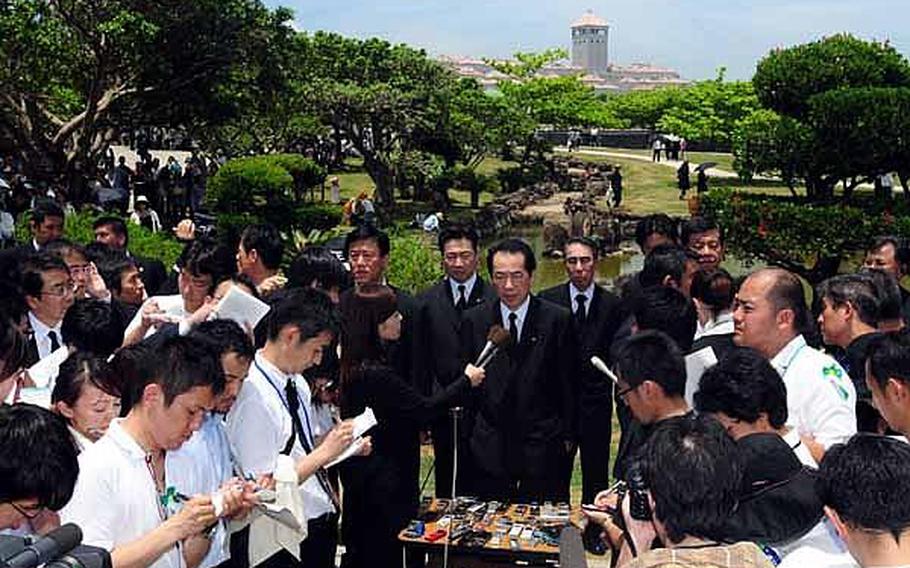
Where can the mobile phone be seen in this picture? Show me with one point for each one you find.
(435, 535)
(592, 508)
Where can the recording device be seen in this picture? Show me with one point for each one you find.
(639, 504)
(59, 549)
(497, 338)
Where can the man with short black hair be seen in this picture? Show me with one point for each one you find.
(888, 379)
(437, 351)
(705, 238)
(36, 476)
(655, 230)
(891, 254)
(45, 223)
(849, 319)
(112, 231)
(49, 293)
(769, 315)
(597, 316)
(205, 462)
(93, 326)
(122, 276)
(689, 475)
(259, 255)
(652, 380)
(124, 501)
(671, 266)
(865, 485)
(206, 263)
(665, 309)
(273, 415)
(888, 294)
(525, 421)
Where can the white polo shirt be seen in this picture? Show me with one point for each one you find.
(200, 467)
(115, 501)
(259, 426)
(821, 399)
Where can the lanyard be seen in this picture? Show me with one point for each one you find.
(307, 432)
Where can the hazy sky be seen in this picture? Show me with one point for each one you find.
(693, 36)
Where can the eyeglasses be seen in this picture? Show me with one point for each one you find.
(63, 289)
(30, 513)
(623, 392)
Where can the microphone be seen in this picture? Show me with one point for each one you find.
(497, 338)
(57, 542)
(602, 367)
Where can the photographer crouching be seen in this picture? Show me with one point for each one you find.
(674, 507)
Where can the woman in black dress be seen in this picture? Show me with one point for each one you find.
(381, 490)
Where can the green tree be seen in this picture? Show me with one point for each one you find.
(375, 95)
(76, 71)
(841, 104)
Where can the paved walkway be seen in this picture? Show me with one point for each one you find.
(713, 172)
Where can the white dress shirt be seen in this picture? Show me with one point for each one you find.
(588, 293)
(115, 501)
(821, 399)
(259, 427)
(521, 312)
(201, 466)
(41, 331)
(468, 287)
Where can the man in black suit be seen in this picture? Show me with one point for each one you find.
(49, 292)
(597, 315)
(112, 232)
(439, 360)
(525, 411)
(367, 250)
(45, 224)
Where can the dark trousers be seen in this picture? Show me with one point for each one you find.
(317, 551)
(596, 425)
(443, 456)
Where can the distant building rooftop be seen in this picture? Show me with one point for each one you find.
(589, 20)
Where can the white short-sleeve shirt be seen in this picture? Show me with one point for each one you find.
(115, 501)
(821, 398)
(259, 427)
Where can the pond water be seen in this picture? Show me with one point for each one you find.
(551, 271)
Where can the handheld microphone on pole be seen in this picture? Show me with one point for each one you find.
(57, 542)
(497, 338)
(602, 367)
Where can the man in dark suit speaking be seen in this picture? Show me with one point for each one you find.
(438, 353)
(596, 316)
(525, 410)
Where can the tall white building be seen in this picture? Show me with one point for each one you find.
(591, 44)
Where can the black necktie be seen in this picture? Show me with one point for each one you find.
(513, 327)
(55, 343)
(462, 302)
(580, 312)
(290, 390)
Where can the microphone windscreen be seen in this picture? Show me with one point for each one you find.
(499, 336)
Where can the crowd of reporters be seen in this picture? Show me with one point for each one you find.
(739, 409)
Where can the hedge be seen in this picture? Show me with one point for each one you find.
(143, 242)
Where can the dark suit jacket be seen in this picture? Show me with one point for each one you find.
(525, 407)
(438, 352)
(605, 317)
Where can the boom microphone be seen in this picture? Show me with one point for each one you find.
(602, 367)
(497, 338)
(57, 542)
